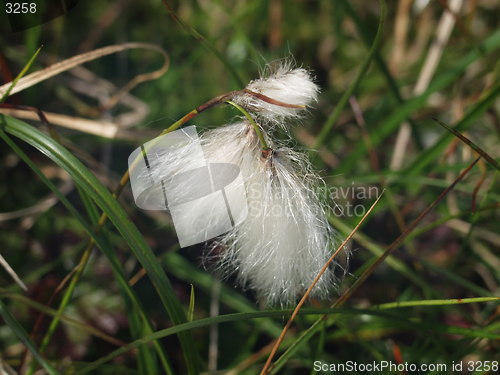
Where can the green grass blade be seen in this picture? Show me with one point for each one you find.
(68, 293)
(207, 322)
(104, 199)
(147, 363)
(368, 271)
(23, 336)
(452, 276)
(190, 314)
(21, 74)
(435, 302)
(424, 326)
(101, 242)
(146, 359)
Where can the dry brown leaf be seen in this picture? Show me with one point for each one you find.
(44, 74)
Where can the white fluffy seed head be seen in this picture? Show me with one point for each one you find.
(284, 84)
(286, 239)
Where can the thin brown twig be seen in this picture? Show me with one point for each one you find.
(118, 96)
(281, 337)
(401, 237)
(471, 144)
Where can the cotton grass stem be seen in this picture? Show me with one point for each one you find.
(255, 126)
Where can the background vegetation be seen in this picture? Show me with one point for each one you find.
(382, 134)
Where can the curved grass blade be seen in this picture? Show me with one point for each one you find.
(102, 244)
(146, 359)
(104, 199)
(218, 320)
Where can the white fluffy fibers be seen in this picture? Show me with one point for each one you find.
(285, 241)
(294, 87)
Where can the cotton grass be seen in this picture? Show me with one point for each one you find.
(285, 240)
